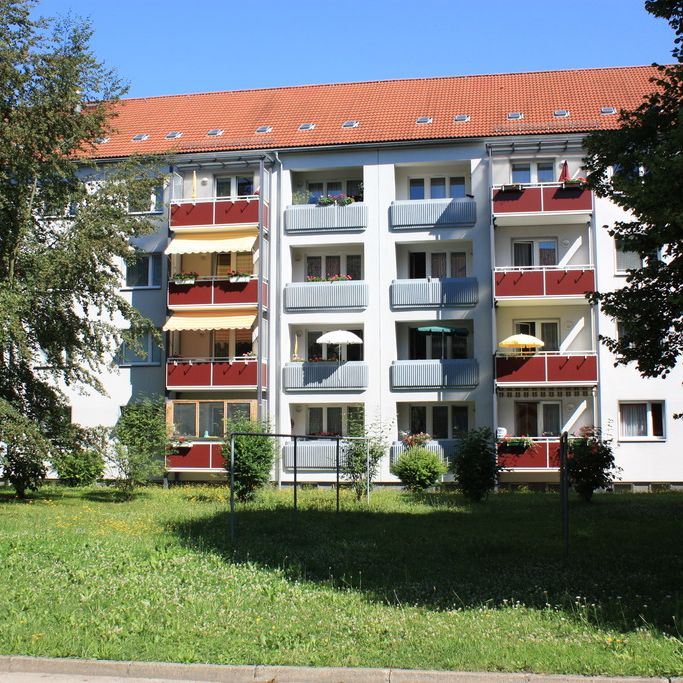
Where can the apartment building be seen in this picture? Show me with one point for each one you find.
(431, 218)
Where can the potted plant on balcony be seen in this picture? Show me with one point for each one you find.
(338, 278)
(249, 355)
(415, 440)
(511, 187)
(579, 183)
(343, 200)
(178, 445)
(326, 200)
(185, 278)
(515, 445)
(237, 276)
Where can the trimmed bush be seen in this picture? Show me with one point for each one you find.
(418, 468)
(79, 468)
(475, 466)
(590, 463)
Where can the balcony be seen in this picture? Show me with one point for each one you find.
(543, 455)
(217, 213)
(551, 281)
(444, 448)
(441, 293)
(323, 376)
(205, 373)
(308, 218)
(199, 456)
(317, 296)
(551, 367)
(425, 214)
(434, 374)
(316, 454)
(216, 291)
(536, 204)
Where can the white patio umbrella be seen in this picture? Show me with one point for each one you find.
(339, 338)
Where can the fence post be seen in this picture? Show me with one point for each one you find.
(232, 487)
(564, 492)
(296, 441)
(338, 441)
(367, 473)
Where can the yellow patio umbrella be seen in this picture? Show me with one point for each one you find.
(521, 341)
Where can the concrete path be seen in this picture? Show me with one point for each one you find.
(46, 670)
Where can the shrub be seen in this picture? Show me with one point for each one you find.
(590, 463)
(81, 467)
(362, 457)
(418, 468)
(254, 456)
(475, 467)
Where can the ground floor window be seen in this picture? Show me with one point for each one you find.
(538, 418)
(335, 420)
(641, 420)
(206, 419)
(439, 421)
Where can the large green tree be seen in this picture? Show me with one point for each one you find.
(60, 310)
(639, 167)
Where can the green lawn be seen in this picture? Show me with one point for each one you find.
(412, 582)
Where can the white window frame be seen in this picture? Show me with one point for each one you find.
(344, 183)
(429, 423)
(342, 263)
(648, 408)
(344, 415)
(540, 426)
(428, 183)
(325, 348)
(617, 272)
(150, 273)
(537, 322)
(149, 345)
(233, 185)
(536, 253)
(428, 260)
(533, 170)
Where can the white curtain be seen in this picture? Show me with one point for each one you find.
(634, 419)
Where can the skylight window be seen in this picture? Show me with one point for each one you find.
(423, 119)
(101, 141)
(515, 116)
(351, 123)
(561, 113)
(461, 118)
(307, 126)
(174, 135)
(608, 110)
(140, 137)
(264, 129)
(215, 132)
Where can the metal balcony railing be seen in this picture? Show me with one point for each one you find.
(310, 296)
(325, 376)
(434, 293)
(309, 218)
(435, 374)
(423, 214)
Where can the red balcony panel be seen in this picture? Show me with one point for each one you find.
(571, 199)
(569, 282)
(527, 200)
(217, 459)
(572, 368)
(197, 456)
(520, 369)
(227, 292)
(236, 374)
(197, 294)
(240, 211)
(542, 455)
(554, 453)
(200, 213)
(519, 283)
(186, 375)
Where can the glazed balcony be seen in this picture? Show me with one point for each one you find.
(543, 455)
(552, 367)
(217, 212)
(241, 292)
(306, 218)
(199, 456)
(434, 293)
(325, 376)
(535, 204)
(206, 373)
(444, 448)
(343, 295)
(550, 281)
(425, 214)
(462, 373)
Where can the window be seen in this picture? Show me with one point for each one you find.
(235, 186)
(523, 172)
(439, 421)
(214, 132)
(174, 135)
(626, 260)
(546, 330)
(143, 271)
(211, 419)
(148, 353)
(641, 420)
(440, 187)
(264, 129)
(334, 264)
(534, 253)
(437, 264)
(438, 345)
(152, 203)
(335, 188)
(350, 124)
(332, 352)
(206, 419)
(333, 420)
(226, 262)
(538, 418)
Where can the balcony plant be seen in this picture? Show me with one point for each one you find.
(178, 445)
(328, 278)
(415, 440)
(511, 187)
(326, 200)
(238, 276)
(515, 445)
(575, 184)
(187, 278)
(249, 354)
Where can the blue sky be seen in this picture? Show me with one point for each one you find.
(168, 46)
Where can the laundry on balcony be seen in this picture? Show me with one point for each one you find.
(202, 321)
(212, 242)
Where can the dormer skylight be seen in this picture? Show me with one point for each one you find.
(307, 126)
(461, 118)
(351, 123)
(140, 137)
(174, 135)
(606, 111)
(515, 116)
(215, 132)
(264, 129)
(423, 119)
(101, 141)
(561, 113)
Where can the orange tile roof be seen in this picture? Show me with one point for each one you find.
(386, 110)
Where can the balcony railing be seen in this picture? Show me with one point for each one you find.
(460, 373)
(217, 211)
(207, 373)
(439, 293)
(547, 281)
(311, 296)
(551, 367)
(540, 198)
(309, 218)
(543, 455)
(215, 291)
(325, 376)
(317, 454)
(199, 456)
(424, 214)
(444, 448)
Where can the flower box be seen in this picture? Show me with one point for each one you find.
(514, 187)
(240, 278)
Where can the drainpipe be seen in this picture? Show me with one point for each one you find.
(275, 312)
(492, 247)
(259, 323)
(595, 313)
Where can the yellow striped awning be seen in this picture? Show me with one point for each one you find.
(199, 320)
(211, 242)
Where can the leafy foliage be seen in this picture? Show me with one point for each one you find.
(362, 457)
(81, 467)
(475, 466)
(140, 438)
(590, 463)
(639, 167)
(418, 468)
(254, 456)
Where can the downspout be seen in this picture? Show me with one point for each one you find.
(492, 250)
(275, 311)
(259, 308)
(595, 314)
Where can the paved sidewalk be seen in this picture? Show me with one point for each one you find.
(46, 670)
